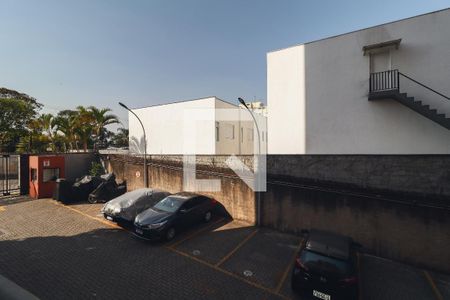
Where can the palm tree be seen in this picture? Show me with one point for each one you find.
(67, 123)
(48, 126)
(101, 119)
(84, 126)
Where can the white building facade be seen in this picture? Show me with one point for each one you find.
(207, 126)
(318, 92)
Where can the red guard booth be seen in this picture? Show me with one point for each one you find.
(44, 170)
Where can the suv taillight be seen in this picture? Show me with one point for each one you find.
(300, 264)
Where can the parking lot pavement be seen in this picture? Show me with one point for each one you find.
(265, 258)
(215, 244)
(385, 279)
(57, 253)
(442, 282)
(70, 252)
(91, 209)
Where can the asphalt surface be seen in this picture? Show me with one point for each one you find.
(60, 251)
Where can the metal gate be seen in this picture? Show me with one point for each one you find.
(9, 174)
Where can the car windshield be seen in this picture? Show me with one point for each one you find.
(168, 204)
(324, 263)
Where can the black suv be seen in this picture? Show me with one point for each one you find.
(325, 267)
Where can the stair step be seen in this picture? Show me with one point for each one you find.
(423, 109)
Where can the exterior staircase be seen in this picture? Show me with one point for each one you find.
(386, 85)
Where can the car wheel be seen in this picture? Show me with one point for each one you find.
(170, 234)
(92, 199)
(207, 217)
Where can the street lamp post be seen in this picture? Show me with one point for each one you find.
(145, 143)
(258, 195)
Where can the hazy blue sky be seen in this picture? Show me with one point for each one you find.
(87, 52)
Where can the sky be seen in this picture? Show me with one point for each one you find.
(98, 52)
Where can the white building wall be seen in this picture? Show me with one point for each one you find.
(167, 130)
(286, 100)
(164, 125)
(327, 110)
(239, 136)
(227, 117)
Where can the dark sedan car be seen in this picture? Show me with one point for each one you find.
(325, 267)
(127, 206)
(172, 214)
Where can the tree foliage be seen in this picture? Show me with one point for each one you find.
(17, 111)
(22, 129)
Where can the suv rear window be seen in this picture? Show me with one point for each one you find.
(323, 263)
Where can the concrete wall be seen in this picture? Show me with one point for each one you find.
(78, 164)
(324, 85)
(165, 172)
(397, 207)
(412, 234)
(420, 175)
(377, 200)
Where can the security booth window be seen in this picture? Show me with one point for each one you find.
(50, 174)
(33, 175)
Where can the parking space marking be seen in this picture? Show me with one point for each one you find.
(171, 248)
(86, 215)
(194, 234)
(261, 287)
(237, 248)
(288, 268)
(436, 291)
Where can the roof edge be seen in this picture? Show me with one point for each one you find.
(357, 30)
(182, 101)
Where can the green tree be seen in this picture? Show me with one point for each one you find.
(84, 126)
(67, 122)
(120, 138)
(49, 127)
(17, 112)
(101, 119)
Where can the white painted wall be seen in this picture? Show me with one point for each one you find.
(164, 125)
(245, 138)
(167, 130)
(319, 91)
(286, 100)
